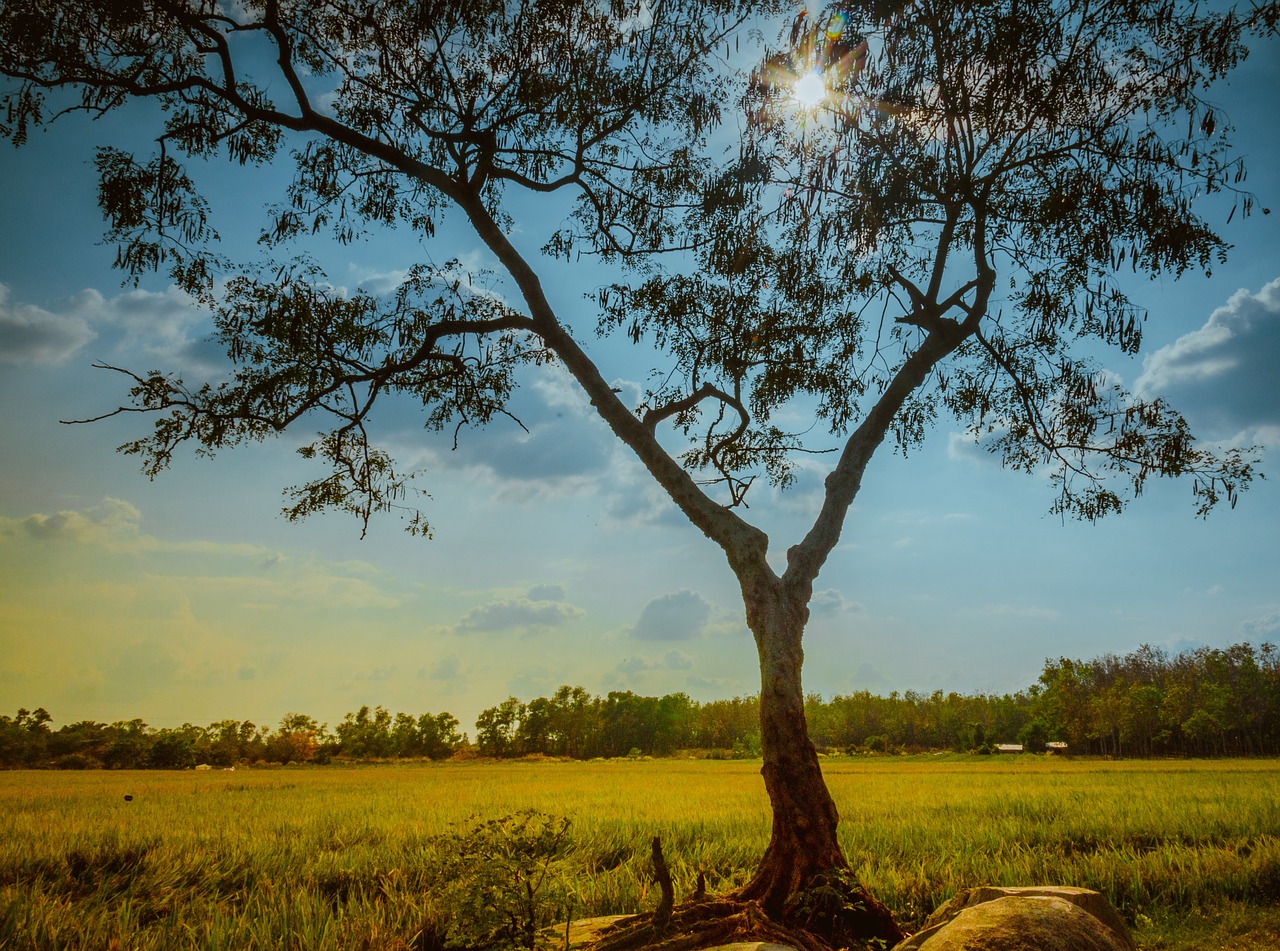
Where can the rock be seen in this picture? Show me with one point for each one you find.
(1095, 903)
(1037, 918)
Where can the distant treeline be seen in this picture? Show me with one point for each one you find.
(1206, 702)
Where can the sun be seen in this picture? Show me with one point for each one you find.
(809, 89)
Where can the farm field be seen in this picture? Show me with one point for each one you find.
(344, 858)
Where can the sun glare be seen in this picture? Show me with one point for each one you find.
(809, 90)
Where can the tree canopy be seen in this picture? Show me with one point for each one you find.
(874, 214)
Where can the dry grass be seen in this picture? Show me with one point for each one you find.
(347, 858)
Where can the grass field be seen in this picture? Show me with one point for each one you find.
(348, 858)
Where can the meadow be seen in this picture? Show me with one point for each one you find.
(347, 858)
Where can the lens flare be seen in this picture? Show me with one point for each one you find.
(809, 89)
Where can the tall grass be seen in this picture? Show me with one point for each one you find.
(349, 858)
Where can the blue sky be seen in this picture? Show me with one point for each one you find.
(555, 560)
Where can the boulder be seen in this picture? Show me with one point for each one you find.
(1036, 918)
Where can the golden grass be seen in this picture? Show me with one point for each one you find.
(347, 858)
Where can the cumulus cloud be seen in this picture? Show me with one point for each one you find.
(676, 660)
(803, 498)
(516, 613)
(1262, 626)
(634, 665)
(167, 326)
(30, 334)
(639, 501)
(546, 592)
(868, 677)
(246, 575)
(556, 446)
(114, 521)
(671, 660)
(680, 616)
(1222, 376)
(963, 447)
(473, 269)
(829, 602)
(116, 526)
(446, 669)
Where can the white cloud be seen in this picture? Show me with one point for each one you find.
(446, 669)
(546, 592)
(635, 500)
(518, 613)
(234, 573)
(1262, 626)
(680, 616)
(113, 523)
(868, 677)
(671, 660)
(561, 445)
(166, 326)
(677, 660)
(1223, 375)
(633, 665)
(829, 602)
(963, 447)
(640, 20)
(30, 334)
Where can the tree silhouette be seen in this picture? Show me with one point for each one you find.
(938, 227)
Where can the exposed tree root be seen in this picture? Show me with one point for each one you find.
(835, 912)
(704, 924)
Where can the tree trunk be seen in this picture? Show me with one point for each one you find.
(803, 846)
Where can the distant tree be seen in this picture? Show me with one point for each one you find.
(128, 747)
(627, 722)
(85, 740)
(366, 734)
(1034, 737)
(534, 733)
(296, 741)
(24, 740)
(438, 734)
(574, 715)
(845, 263)
(404, 736)
(171, 749)
(674, 723)
(496, 728)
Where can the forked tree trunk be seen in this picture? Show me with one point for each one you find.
(803, 845)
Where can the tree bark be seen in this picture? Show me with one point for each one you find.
(803, 846)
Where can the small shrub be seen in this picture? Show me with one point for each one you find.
(505, 881)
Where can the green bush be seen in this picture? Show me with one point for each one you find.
(505, 882)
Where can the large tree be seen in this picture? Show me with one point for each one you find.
(913, 208)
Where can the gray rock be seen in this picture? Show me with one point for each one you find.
(1036, 918)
